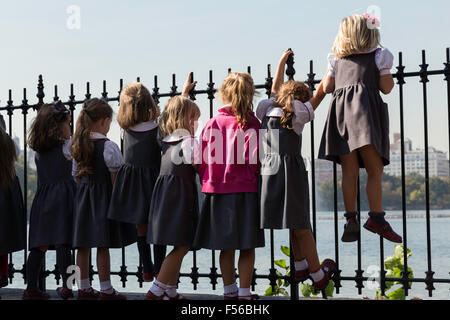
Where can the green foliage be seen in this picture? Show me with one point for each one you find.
(394, 266)
(307, 290)
(392, 193)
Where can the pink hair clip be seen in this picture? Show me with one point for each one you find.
(372, 20)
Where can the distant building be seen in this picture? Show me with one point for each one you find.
(438, 164)
(324, 170)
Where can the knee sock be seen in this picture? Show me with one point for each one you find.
(4, 265)
(378, 217)
(34, 265)
(63, 260)
(160, 254)
(144, 253)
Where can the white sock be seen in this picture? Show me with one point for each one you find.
(244, 292)
(301, 265)
(318, 275)
(171, 291)
(230, 290)
(106, 287)
(158, 288)
(84, 284)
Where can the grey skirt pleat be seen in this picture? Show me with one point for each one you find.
(92, 228)
(230, 221)
(51, 217)
(357, 117)
(13, 223)
(284, 195)
(131, 196)
(173, 212)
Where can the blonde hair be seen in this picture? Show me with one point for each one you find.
(82, 146)
(355, 36)
(290, 91)
(177, 114)
(136, 106)
(239, 90)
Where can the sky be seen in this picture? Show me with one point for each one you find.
(136, 38)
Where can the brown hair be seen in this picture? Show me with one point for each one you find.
(177, 114)
(82, 147)
(8, 156)
(45, 133)
(136, 106)
(290, 91)
(239, 90)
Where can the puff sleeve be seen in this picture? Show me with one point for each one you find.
(112, 156)
(384, 60)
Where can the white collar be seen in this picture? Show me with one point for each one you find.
(175, 138)
(274, 112)
(97, 135)
(144, 126)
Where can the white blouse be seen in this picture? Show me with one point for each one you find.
(303, 113)
(190, 146)
(384, 60)
(111, 154)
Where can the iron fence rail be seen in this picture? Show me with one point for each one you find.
(272, 276)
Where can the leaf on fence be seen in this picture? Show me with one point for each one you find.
(281, 263)
(398, 294)
(286, 250)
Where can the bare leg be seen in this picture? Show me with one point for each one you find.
(305, 241)
(103, 264)
(83, 262)
(296, 248)
(374, 167)
(246, 266)
(350, 170)
(171, 266)
(226, 259)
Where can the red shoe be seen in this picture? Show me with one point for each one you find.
(351, 230)
(328, 267)
(112, 296)
(35, 295)
(250, 297)
(383, 230)
(177, 297)
(88, 294)
(302, 275)
(230, 297)
(64, 293)
(149, 276)
(151, 296)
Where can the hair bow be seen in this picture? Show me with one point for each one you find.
(372, 20)
(60, 111)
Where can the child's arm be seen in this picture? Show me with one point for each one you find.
(319, 94)
(386, 83)
(113, 177)
(279, 76)
(188, 86)
(328, 83)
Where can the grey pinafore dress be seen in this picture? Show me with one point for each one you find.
(284, 190)
(131, 196)
(174, 205)
(51, 217)
(92, 228)
(13, 218)
(357, 115)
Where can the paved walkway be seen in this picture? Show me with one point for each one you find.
(16, 294)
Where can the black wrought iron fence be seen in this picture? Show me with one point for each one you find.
(429, 280)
